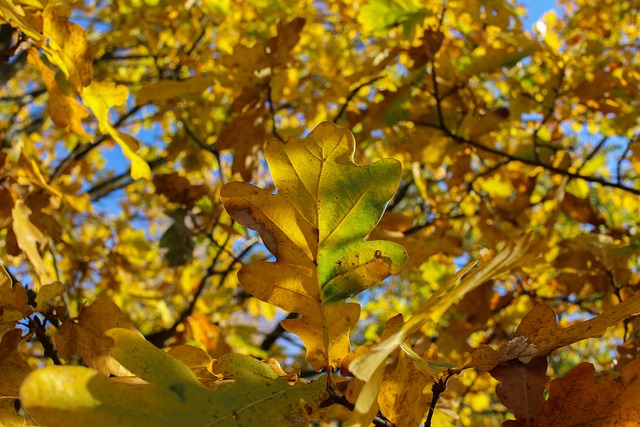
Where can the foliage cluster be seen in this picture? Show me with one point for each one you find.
(452, 268)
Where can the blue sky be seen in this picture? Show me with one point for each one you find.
(536, 9)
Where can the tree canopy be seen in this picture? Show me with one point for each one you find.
(271, 213)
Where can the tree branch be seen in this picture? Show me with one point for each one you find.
(272, 111)
(119, 181)
(159, 338)
(276, 333)
(81, 150)
(352, 94)
(515, 158)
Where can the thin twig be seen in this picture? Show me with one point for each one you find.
(276, 333)
(40, 331)
(272, 111)
(550, 110)
(437, 388)
(352, 94)
(24, 97)
(622, 157)
(526, 161)
(120, 181)
(80, 151)
(593, 152)
(159, 338)
(210, 148)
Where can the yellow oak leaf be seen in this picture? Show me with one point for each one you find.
(402, 399)
(14, 303)
(100, 97)
(84, 335)
(64, 110)
(316, 226)
(18, 18)
(67, 46)
(29, 237)
(48, 293)
(13, 370)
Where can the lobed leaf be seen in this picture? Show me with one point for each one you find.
(539, 329)
(316, 227)
(613, 403)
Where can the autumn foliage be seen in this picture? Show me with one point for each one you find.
(257, 213)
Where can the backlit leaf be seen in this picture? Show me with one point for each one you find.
(67, 46)
(315, 226)
(64, 110)
(100, 97)
(251, 393)
(30, 238)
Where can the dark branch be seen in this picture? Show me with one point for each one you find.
(276, 333)
(437, 388)
(515, 158)
(352, 94)
(120, 181)
(81, 150)
(272, 111)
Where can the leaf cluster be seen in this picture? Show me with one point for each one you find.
(191, 236)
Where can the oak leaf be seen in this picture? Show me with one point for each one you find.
(84, 335)
(13, 370)
(64, 110)
(315, 226)
(522, 386)
(539, 329)
(29, 239)
(66, 46)
(575, 400)
(14, 302)
(167, 393)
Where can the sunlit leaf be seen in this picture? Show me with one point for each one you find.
(172, 396)
(100, 97)
(315, 226)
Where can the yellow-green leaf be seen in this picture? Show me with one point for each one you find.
(170, 396)
(100, 97)
(316, 226)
